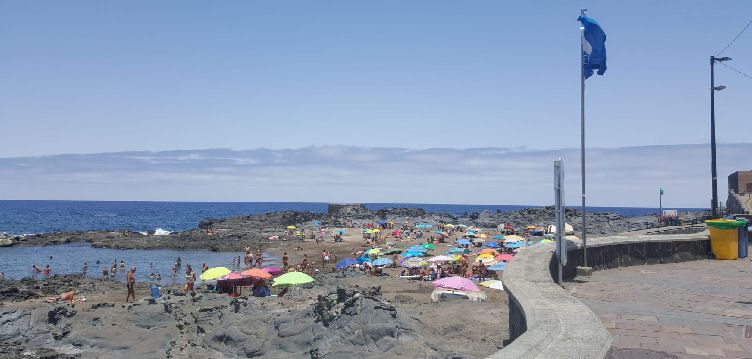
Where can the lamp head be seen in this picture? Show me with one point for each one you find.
(719, 88)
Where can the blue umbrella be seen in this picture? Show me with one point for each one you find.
(412, 254)
(497, 267)
(346, 263)
(515, 245)
(493, 245)
(498, 237)
(420, 226)
(382, 262)
(463, 241)
(456, 251)
(470, 233)
(417, 248)
(437, 232)
(340, 231)
(362, 259)
(429, 225)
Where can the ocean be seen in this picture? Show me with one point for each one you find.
(28, 217)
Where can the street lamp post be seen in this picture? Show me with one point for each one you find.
(713, 89)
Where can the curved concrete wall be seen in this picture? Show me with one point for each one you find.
(545, 321)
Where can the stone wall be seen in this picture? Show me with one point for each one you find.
(545, 321)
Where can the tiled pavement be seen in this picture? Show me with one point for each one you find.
(698, 309)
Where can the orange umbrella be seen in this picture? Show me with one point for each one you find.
(255, 272)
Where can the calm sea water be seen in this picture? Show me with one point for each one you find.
(16, 262)
(26, 217)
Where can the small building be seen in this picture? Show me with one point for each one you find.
(740, 182)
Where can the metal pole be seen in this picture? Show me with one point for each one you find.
(582, 137)
(714, 205)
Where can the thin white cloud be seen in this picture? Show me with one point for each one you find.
(628, 176)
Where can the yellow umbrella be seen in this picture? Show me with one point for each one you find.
(449, 225)
(214, 273)
(291, 227)
(376, 230)
(490, 251)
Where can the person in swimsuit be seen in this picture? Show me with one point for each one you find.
(86, 267)
(284, 261)
(47, 271)
(131, 284)
(189, 279)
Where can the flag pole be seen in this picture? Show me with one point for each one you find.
(582, 136)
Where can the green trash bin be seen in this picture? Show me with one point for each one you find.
(724, 237)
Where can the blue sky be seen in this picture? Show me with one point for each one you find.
(95, 77)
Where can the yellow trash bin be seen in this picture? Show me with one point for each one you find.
(724, 237)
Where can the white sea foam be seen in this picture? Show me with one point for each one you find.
(161, 232)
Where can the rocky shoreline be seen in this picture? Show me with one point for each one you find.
(234, 233)
(335, 317)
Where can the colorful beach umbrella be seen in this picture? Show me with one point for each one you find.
(493, 245)
(504, 257)
(490, 251)
(515, 245)
(457, 283)
(257, 273)
(497, 267)
(493, 284)
(463, 241)
(414, 262)
(513, 238)
(449, 225)
(428, 246)
(470, 234)
(456, 251)
(440, 259)
(373, 251)
(382, 262)
(346, 263)
(272, 270)
(291, 227)
(232, 276)
(214, 273)
(292, 278)
(417, 248)
(412, 254)
(498, 237)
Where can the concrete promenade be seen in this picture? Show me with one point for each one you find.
(696, 309)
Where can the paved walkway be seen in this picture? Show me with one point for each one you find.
(698, 309)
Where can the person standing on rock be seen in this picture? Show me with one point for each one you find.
(131, 284)
(86, 267)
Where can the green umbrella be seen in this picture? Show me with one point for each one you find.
(393, 250)
(292, 278)
(428, 246)
(214, 273)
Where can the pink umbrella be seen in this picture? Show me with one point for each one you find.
(458, 283)
(232, 276)
(504, 257)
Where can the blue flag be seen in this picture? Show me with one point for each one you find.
(594, 47)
